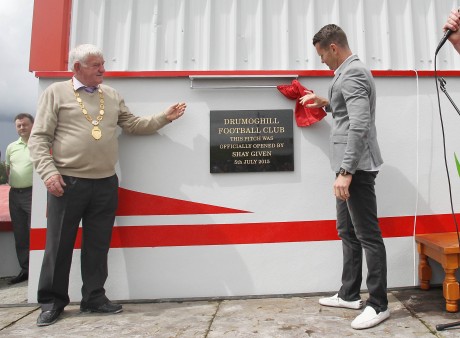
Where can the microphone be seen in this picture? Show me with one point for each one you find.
(443, 40)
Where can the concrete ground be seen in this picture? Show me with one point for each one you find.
(414, 313)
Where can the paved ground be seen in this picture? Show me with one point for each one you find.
(414, 313)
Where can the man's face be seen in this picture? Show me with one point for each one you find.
(24, 127)
(328, 55)
(91, 72)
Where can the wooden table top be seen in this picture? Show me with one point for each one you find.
(447, 241)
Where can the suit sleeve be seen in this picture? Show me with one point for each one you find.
(356, 92)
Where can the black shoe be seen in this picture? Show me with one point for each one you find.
(48, 317)
(108, 307)
(19, 278)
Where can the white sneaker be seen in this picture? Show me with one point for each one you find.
(369, 318)
(336, 301)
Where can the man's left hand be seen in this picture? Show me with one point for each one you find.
(175, 111)
(341, 185)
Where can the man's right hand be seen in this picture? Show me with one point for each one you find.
(453, 24)
(55, 185)
(311, 100)
(453, 21)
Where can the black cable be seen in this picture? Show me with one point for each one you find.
(441, 327)
(444, 146)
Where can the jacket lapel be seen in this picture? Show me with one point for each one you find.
(339, 72)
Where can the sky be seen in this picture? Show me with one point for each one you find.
(18, 86)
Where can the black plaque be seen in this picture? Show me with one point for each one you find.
(251, 141)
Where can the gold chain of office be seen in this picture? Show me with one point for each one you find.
(96, 131)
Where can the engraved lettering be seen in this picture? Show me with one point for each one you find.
(261, 153)
(240, 154)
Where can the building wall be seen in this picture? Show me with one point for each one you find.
(259, 34)
(286, 243)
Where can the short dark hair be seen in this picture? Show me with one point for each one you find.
(23, 116)
(330, 34)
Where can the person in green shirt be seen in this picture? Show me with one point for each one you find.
(19, 170)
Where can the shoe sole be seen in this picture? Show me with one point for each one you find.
(352, 307)
(16, 282)
(46, 324)
(96, 311)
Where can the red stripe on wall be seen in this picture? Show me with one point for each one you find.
(251, 233)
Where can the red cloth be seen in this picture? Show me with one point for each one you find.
(303, 116)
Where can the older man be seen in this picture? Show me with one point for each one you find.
(74, 149)
(19, 171)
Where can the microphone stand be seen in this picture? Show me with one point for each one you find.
(442, 85)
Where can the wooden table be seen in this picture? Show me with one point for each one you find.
(444, 249)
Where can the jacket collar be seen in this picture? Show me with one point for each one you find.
(339, 70)
(345, 63)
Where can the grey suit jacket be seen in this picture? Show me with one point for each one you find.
(352, 101)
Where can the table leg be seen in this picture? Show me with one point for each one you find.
(450, 290)
(424, 271)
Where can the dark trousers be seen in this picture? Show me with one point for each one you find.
(20, 201)
(357, 226)
(93, 202)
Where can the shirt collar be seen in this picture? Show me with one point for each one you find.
(77, 84)
(337, 71)
(19, 141)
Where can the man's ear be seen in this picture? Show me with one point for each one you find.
(333, 47)
(77, 66)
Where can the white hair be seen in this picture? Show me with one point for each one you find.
(81, 53)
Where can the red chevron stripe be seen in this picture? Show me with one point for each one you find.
(134, 203)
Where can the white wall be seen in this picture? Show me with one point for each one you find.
(175, 163)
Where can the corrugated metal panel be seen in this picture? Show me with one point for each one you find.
(142, 35)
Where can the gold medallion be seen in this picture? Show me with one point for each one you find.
(96, 132)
